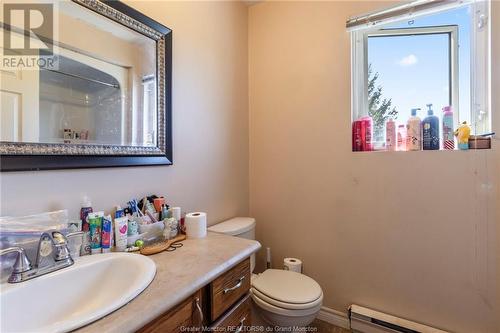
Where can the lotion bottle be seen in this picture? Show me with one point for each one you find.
(121, 228)
(413, 131)
(401, 138)
(448, 139)
(390, 135)
(430, 130)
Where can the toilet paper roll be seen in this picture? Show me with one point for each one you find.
(175, 212)
(196, 225)
(292, 264)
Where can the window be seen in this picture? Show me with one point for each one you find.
(418, 54)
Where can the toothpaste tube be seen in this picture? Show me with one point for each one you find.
(106, 232)
(95, 226)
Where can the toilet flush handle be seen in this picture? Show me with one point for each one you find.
(236, 286)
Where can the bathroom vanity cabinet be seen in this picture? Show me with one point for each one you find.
(223, 303)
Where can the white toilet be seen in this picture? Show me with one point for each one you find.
(280, 298)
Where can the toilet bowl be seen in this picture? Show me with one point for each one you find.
(286, 298)
(280, 298)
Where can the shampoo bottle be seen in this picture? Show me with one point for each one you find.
(448, 138)
(430, 130)
(402, 138)
(390, 135)
(413, 132)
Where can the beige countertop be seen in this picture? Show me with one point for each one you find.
(178, 275)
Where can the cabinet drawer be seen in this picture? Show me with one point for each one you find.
(229, 288)
(186, 314)
(236, 319)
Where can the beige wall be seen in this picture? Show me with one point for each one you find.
(411, 234)
(210, 114)
(415, 238)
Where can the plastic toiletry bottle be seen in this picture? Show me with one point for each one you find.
(401, 138)
(413, 131)
(165, 214)
(366, 133)
(121, 228)
(390, 135)
(463, 134)
(84, 212)
(95, 225)
(106, 230)
(448, 137)
(356, 136)
(430, 130)
(119, 211)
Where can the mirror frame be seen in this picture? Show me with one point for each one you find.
(19, 156)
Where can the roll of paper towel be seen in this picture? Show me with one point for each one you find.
(196, 225)
(292, 264)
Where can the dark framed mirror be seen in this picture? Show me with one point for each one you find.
(100, 95)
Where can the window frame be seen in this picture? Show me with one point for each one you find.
(480, 67)
(360, 108)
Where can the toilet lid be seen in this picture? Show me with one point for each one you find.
(287, 286)
(308, 307)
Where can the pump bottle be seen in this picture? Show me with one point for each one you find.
(413, 131)
(430, 130)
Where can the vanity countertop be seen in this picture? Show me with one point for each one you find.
(178, 275)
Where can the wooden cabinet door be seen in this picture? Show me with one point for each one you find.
(187, 314)
(228, 288)
(238, 319)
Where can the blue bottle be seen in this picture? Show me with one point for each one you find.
(430, 130)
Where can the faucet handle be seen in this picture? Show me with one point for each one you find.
(74, 234)
(58, 238)
(61, 246)
(22, 263)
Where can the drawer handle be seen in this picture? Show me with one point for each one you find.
(200, 312)
(236, 286)
(241, 325)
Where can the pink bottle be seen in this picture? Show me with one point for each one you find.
(448, 136)
(362, 134)
(401, 138)
(390, 135)
(356, 136)
(366, 133)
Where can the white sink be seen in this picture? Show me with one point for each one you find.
(91, 288)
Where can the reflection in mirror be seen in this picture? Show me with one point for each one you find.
(102, 91)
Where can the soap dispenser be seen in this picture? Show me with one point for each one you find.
(430, 130)
(413, 131)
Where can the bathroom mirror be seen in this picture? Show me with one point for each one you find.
(84, 83)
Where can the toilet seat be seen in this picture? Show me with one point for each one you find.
(284, 305)
(285, 312)
(286, 290)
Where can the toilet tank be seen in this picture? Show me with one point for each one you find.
(243, 227)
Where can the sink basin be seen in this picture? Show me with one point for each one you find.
(91, 288)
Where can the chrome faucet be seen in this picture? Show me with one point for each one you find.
(52, 255)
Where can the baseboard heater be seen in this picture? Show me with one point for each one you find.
(370, 321)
